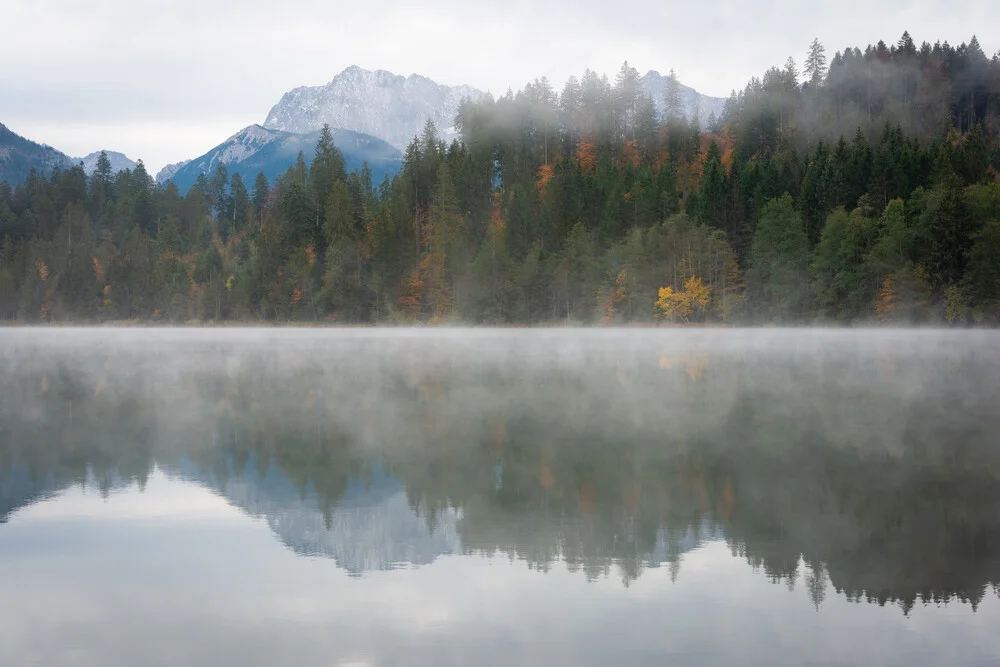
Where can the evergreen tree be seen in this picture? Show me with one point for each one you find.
(778, 278)
(328, 167)
(715, 191)
(239, 202)
(628, 89)
(673, 107)
(815, 66)
(261, 192)
(219, 185)
(102, 181)
(950, 230)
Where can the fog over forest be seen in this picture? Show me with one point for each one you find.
(857, 187)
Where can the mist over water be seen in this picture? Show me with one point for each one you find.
(450, 496)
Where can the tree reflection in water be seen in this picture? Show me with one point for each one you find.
(868, 460)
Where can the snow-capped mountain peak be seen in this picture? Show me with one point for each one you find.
(244, 143)
(253, 135)
(165, 174)
(385, 105)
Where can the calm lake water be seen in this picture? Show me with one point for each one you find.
(455, 497)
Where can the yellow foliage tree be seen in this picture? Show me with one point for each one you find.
(668, 303)
(682, 305)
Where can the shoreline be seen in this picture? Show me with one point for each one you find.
(196, 324)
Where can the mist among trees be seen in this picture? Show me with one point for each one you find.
(861, 188)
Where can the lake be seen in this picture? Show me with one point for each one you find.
(499, 497)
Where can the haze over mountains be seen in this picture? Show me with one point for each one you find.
(694, 104)
(395, 108)
(375, 113)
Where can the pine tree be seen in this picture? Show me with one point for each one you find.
(778, 278)
(339, 224)
(627, 92)
(815, 67)
(646, 129)
(141, 189)
(103, 172)
(239, 202)
(905, 45)
(673, 106)
(220, 191)
(569, 111)
(261, 192)
(791, 73)
(327, 168)
(714, 195)
(951, 230)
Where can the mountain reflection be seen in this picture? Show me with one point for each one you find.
(867, 460)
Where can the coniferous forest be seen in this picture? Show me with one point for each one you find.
(862, 189)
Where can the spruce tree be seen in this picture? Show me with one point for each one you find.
(673, 107)
(815, 67)
(328, 167)
(103, 172)
(261, 192)
(219, 185)
(239, 201)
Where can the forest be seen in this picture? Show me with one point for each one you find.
(862, 189)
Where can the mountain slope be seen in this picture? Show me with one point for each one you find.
(18, 156)
(119, 161)
(256, 149)
(163, 175)
(655, 86)
(379, 103)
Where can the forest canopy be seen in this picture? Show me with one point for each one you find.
(863, 188)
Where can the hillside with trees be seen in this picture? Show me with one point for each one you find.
(862, 189)
(19, 155)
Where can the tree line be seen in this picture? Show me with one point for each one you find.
(863, 191)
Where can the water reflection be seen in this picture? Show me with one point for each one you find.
(859, 463)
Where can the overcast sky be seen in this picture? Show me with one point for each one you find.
(165, 80)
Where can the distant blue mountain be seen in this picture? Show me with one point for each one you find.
(18, 156)
(255, 149)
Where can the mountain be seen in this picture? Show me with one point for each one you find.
(119, 161)
(379, 103)
(257, 149)
(371, 527)
(163, 175)
(18, 156)
(655, 86)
